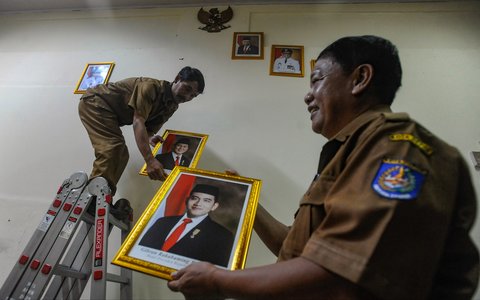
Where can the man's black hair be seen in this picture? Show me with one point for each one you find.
(192, 74)
(352, 51)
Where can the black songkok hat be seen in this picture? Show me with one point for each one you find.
(183, 141)
(206, 189)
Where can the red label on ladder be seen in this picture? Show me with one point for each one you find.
(99, 239)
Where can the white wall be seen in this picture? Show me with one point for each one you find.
(257, 123)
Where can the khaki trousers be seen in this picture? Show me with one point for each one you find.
(111, 152)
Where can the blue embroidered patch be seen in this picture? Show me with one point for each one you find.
(397, 180)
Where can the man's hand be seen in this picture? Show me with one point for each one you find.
(155, 169)
(196, 281)
(154, 140)
(231, 172)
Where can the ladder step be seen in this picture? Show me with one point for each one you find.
(120, 224)
(69, 272)
(89, 219)
(66, 271)
(117, 278)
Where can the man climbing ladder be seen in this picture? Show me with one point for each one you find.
(146, 103)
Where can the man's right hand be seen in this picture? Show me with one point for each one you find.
(155, 170)
(231, 172)
(154, 140)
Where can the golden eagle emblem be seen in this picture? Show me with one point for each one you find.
(214, 20)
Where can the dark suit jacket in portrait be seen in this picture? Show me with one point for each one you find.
(251, 50)
(211, 242)
(167, 161)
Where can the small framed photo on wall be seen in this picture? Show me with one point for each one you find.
(247, 45)
(196, 215)
(287, 60)
(94, 74)
(180, 148)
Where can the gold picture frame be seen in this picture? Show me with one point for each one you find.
(165, 152)
(247, 45)
(94, 74)
(312, 64)
(236, 198)
(287, 60)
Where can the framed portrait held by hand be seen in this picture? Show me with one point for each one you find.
(247, 45)
(196, 215)
(179, 148)
(287, 60)
(94, 74)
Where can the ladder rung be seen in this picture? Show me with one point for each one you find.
(117, 278)
(65, 271)
(89, 219)
(123, 226)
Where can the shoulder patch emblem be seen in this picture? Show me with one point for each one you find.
(395, 179)
(412, 139)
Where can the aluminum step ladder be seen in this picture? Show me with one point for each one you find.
(69, 247)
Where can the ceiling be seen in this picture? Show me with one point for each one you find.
(19, 6)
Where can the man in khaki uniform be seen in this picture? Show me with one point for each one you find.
(146, 103)
(387, 216)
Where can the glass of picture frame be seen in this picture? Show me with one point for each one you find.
(287, 60)
(247, 45)
(180, 148)
(221, 208)
(93, 75)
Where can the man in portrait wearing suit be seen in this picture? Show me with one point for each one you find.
(176, 157)
(193, 234)
(247, 47)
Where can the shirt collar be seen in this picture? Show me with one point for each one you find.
(168, 95)
(363, 118)
(195, 220)
(333, 145)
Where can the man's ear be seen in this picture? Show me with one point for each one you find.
(215, 206)
(177, 79)
(363, 75)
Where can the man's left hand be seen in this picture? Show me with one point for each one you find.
(196, 281)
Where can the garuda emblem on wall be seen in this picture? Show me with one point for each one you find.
(214, 20)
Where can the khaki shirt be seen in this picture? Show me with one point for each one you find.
(151, 98)
(391, 212)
